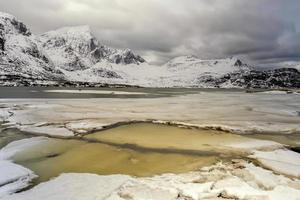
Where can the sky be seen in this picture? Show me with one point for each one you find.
(262, 32)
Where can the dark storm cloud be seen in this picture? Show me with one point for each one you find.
(261, 31)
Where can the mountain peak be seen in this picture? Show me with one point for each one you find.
(9, 24)
(83, 32)
(6, 15)
(182, 59)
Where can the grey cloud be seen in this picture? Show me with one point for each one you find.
(260, 31)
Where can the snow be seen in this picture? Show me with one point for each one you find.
(179, 72)
(265, 178)
(232, 181)
(274, 92)
(95, 92)
(255, 144)
(12, 148)
(281, 160)
(4, 114)
(47, 130)
(13, 177)
(75, 187)
(21, 47)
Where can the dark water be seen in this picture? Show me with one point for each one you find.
(42, 92)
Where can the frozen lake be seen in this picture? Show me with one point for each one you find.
(55, 132)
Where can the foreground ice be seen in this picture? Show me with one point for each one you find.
(7, 152)
(14, 177)
(239, 180)
(236, 180)
(280, 160)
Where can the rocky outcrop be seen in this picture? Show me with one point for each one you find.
(277, 78)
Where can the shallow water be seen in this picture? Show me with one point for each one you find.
(138, 149)
(60, 156)
(157, 136)
(10, 135)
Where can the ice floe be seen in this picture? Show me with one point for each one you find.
(281, 160)
(14, 177)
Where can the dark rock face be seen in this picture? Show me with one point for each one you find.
(129, 58)
(238, 63)
(106, 73)
(57, 43)
(22, 29)
(2, 43)
(2, 40)
(278, 78)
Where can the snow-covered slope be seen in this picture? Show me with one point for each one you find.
(72, 55)
(21, 56)
(75, 48)
(184, 71)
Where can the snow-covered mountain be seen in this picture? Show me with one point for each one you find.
(21, 56)
(75, 48)
(72, 55)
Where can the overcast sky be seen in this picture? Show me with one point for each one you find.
(260, 31)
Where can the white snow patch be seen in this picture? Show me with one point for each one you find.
(266, 178)
(13, 177)
(4, 115)
(95, 92)
(74, 187)
(12, 148)
(252, 144)
(282, 161)
(47, 130)
(274, 92)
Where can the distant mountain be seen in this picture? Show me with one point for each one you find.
(73, 56)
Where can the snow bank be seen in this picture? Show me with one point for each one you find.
(74, 187)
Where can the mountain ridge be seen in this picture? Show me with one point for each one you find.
(73, 55)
